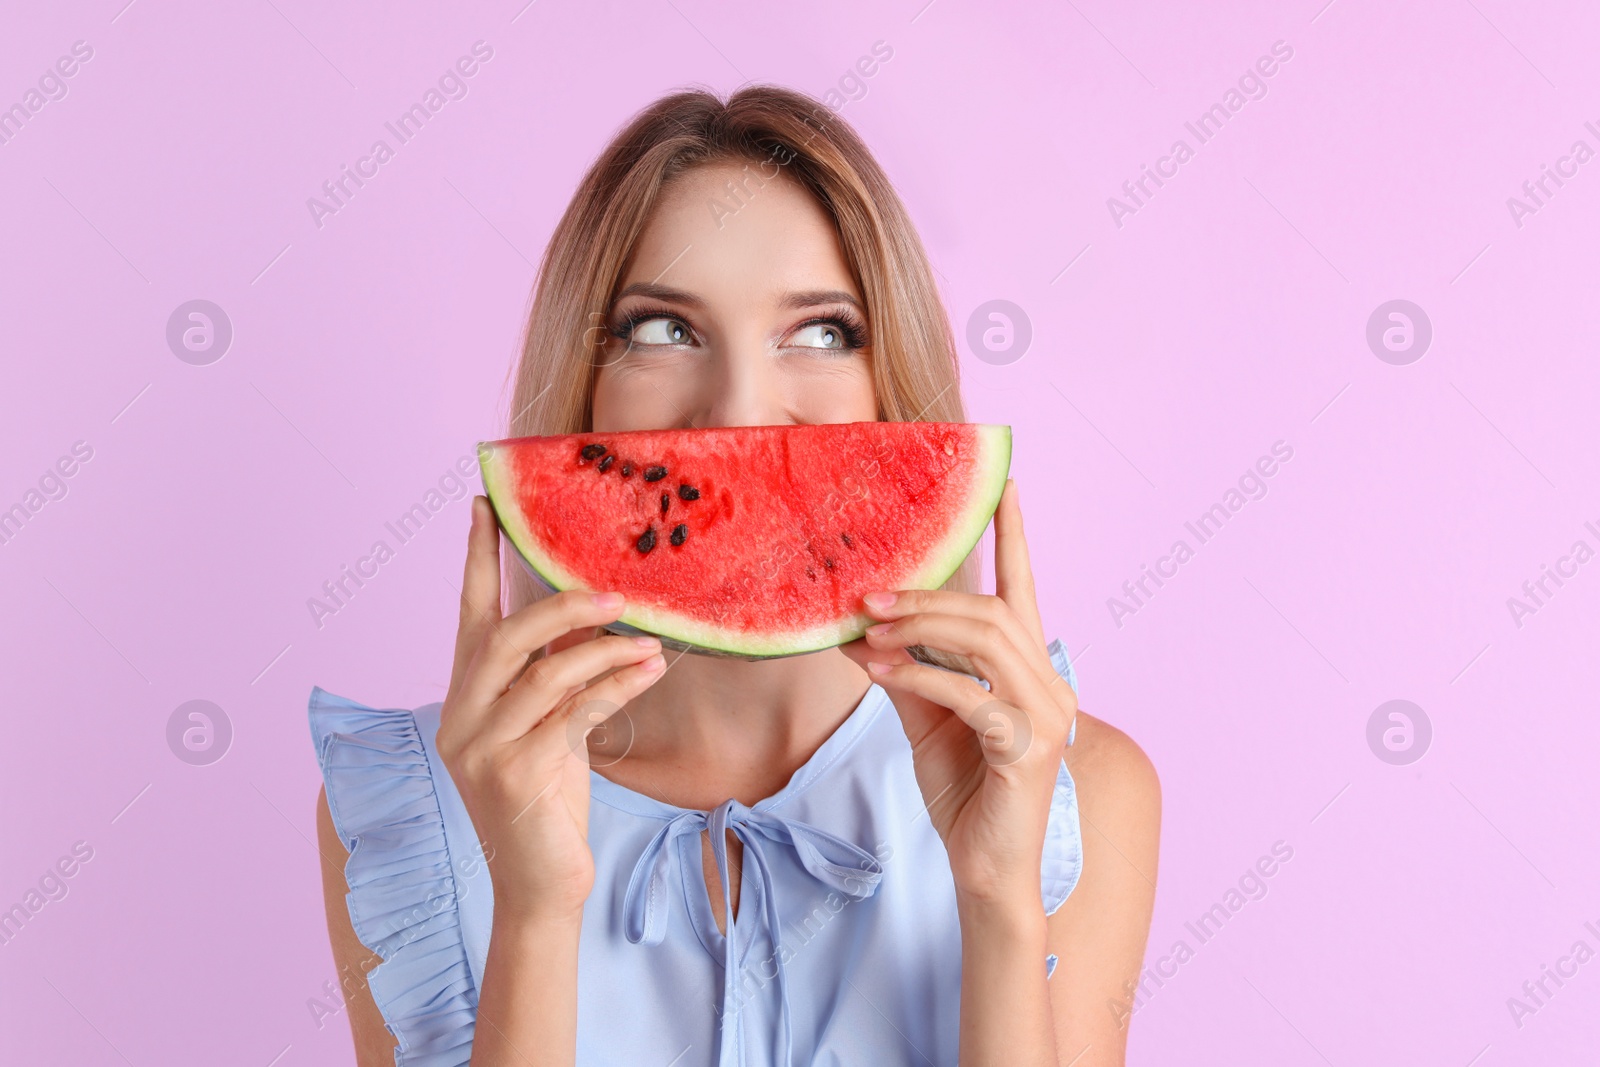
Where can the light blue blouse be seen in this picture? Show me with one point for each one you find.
(846, 949)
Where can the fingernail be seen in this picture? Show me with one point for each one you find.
(646, 642)
(607, 600)
(881, 601)
(879, 668)
(880, 629)
(654, 663)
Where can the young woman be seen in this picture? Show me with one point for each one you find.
(847, 857)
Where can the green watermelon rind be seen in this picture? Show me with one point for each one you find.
(682, 633)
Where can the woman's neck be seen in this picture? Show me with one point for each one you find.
(715, 727)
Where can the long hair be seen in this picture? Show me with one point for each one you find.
(914, 363)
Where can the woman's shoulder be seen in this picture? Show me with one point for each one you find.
(1104, 761)
(1109, 784)
(1111, 769)
(1118, 794)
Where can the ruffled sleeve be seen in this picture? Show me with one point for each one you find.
(402, 899)
(1063, 840)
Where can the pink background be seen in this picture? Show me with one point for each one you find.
(1168, 354)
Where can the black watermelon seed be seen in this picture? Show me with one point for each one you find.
(606, 463)
(846, 539)
(654, 474)
(828, 563)
(688, 492)
(811, 574)
(627, 469)
(647, 541)
(680, 533)
(593, 451)
(665, 500)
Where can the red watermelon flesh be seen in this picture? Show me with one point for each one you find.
(753, 541)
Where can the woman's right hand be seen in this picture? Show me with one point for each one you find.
(507, 733)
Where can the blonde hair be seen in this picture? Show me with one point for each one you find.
(914, 363)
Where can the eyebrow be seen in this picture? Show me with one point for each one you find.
(660, 292)
(812, 297)
(801, 299)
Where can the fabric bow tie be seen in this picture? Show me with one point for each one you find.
(831, 860)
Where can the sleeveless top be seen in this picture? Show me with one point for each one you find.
(846, 948)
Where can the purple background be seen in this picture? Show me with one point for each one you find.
(1168, 354)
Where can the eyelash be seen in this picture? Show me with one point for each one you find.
(853, 329)
(849, 326)
(631, 321)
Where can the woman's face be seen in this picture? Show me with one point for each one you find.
(733, 315)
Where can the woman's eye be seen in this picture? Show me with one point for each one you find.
(660, 331)
(820, 335)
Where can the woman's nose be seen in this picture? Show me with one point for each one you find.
(741, 388)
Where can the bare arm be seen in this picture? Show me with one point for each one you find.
(374, 1044)
(528, 1008)
(1081, 1013)
(1099, 934)
(1005, 1003)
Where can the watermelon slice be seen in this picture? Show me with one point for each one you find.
(752, 541)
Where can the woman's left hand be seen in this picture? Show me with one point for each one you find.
(985, 760)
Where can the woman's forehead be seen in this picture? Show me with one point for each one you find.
(724, 231)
